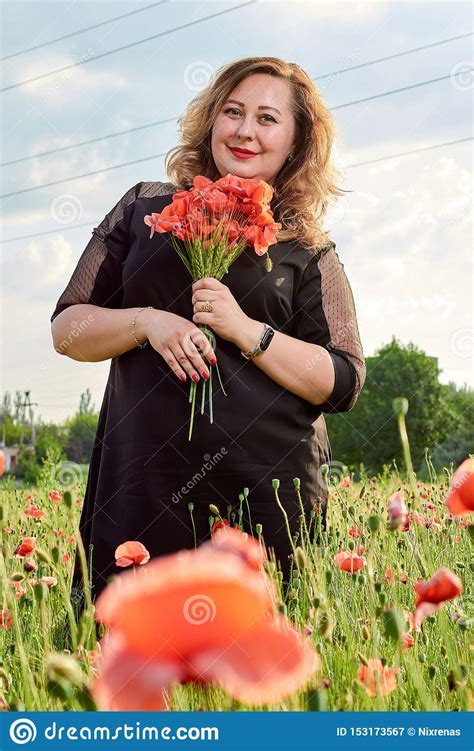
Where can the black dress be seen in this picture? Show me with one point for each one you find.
(144, 472)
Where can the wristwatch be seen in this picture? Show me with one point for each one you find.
(263, 343)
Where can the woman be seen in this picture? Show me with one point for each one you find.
(131, 299)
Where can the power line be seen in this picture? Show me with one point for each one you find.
(126, 46)
(155, 156)
(403, 88)
(392, 57)
(349, 166)
(92, 140)
(173, 119)
(81, 31)
(86, 174)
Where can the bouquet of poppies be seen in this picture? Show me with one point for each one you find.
(211, 224)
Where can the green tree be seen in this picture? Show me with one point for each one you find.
(81, 431)
(369, 434)
(460, 425)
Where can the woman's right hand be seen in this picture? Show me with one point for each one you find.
(180, 342)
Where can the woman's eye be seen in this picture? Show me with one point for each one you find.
(234, 110)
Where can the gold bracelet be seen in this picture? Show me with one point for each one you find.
(148, 307)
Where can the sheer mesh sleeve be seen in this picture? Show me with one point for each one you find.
(325, 315)
(97, 278)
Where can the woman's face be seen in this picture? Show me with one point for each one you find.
(258, 119)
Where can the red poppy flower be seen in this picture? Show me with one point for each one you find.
(55, 495)
(130, 553)
(407, 640)
(219, 524)
(26, 546)
(347, 561)
(204, 616)
(377, 679)
(354, 531)
(460, 499)
(430, 595)
(34, 512)
(5, 618)
(397, 512)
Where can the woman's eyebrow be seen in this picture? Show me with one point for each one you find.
(263, 106)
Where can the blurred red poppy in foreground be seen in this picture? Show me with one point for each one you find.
(430, 595)
(207, 615)
(131, 552)
(460, 499)
(377, 679)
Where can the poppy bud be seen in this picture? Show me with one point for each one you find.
(55, 554)
(17, 577)
(241, 498)
(68, 499)
(258, 529)
(431, 671)
(394, 623)
(400, 405)
(275, 484)
(297, 482)
(190, 506)
(422, 658)
(214, 510)
(362, 491)
(365, 633)
(63, 667)
(43, 555)
(300, 558)
(268, 262)
(246, 492)
(362, 659)
(41, 592)
(30, 565)
(373, 523)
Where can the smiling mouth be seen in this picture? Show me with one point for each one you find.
(242, 152)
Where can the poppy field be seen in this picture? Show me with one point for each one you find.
(376, 617)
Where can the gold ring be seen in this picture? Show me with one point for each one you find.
(207, 307)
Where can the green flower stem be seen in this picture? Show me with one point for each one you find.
(28, 682)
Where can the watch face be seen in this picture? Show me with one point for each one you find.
(266, 339)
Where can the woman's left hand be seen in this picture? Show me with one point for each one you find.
(227, 319)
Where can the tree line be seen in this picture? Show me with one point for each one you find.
(440, 419)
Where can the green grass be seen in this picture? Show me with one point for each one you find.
(343, 613)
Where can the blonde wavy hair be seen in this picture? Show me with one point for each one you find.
(305, 186)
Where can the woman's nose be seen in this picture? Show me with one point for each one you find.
(246, 128)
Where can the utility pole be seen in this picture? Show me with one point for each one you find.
(30, 405)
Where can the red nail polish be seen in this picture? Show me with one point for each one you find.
(182, 376)
(205, 375)
(213, 361)
(195, 377)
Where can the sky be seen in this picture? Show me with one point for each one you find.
(403, 230)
